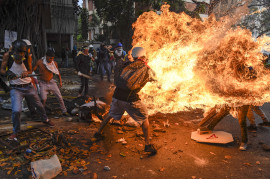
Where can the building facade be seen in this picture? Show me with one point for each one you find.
(60, 33)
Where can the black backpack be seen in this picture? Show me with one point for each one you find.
(133, 76)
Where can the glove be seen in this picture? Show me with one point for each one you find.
(79, 73)
(10, 75)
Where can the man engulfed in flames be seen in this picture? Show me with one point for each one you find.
(201, 64)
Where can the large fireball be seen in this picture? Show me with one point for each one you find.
(200, 64)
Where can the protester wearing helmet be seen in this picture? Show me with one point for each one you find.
(126, 98)
(28, 58)
(18, 70)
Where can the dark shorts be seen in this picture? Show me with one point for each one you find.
(137, 110)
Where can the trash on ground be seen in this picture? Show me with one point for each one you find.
(46, 169)
(107, 168)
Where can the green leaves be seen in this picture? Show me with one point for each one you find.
(84, 23)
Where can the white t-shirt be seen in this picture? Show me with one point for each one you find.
(18, 69)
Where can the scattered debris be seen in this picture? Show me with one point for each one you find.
(193, 177)
(258, 162)
(120, 132)
(6, 104)
(158, 129)
(152, 172)
(122, 140)
(85, 107)
(69, 119)
(43, 145)
(122, 154)
(266, 147)
(228, 157)
(212, 153)
(95, 176)
(46, 169)
(107, 168)
(247, 164)
(166, 124)
(161, 169)
(139, 134)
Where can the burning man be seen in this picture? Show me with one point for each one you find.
(125, 99)
(17, 74)
(47, 68)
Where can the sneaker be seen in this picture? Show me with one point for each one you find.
(13, 137)
(49, 123)
(267, 124)
(150, 148)
(252, 128)
(243, 146)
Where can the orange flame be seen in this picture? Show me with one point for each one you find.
(88, 100)
(200, 64)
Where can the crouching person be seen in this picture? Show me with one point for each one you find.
(18, 70)
(47, 68)
(125, 98)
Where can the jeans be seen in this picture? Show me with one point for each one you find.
(84, 86)
(45, 87)
(105, 66)
(17, 94)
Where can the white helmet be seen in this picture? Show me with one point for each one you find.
(138, 52)
(91, 46)
(27, 42)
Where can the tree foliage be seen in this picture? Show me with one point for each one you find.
(84, 23)
(26, 19)
(95, 21)
(259, 18)
(122, 14)
(77, 8)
